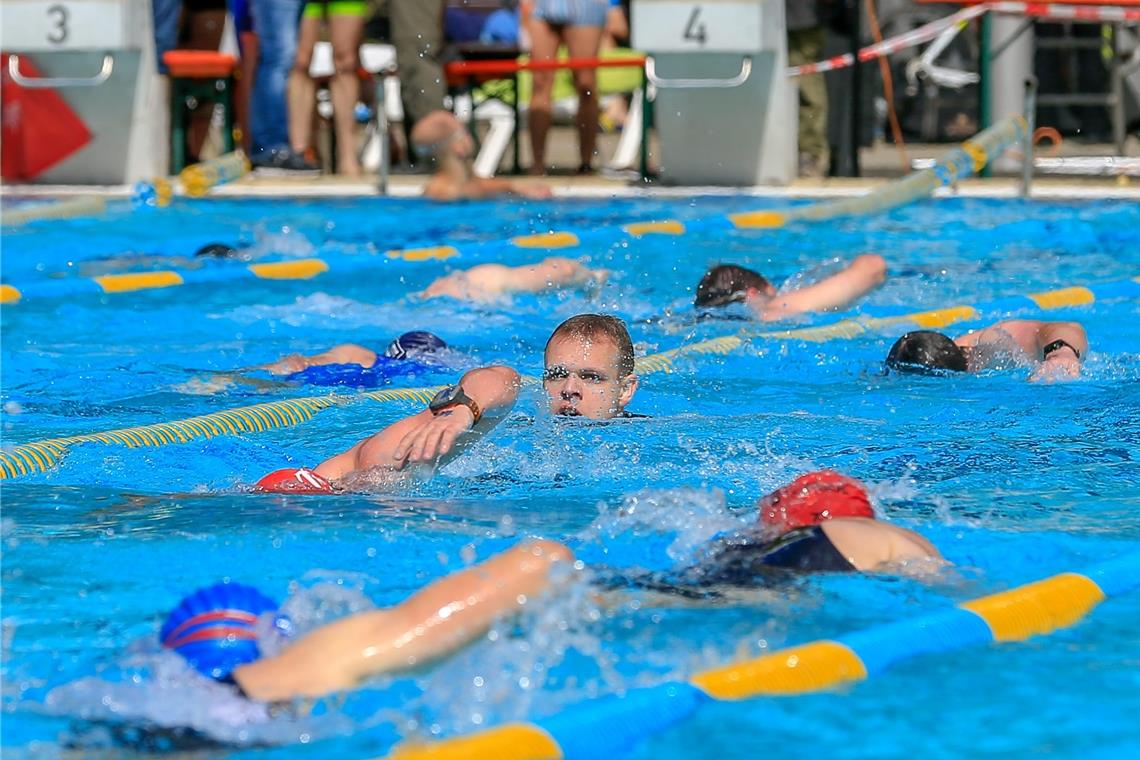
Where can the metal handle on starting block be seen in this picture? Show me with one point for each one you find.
(690, 84)
(44, 83)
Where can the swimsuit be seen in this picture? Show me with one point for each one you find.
(742, 561)
(382, 372)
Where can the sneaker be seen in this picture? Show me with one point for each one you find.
(283, 162)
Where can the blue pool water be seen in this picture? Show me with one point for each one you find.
(1013, 481)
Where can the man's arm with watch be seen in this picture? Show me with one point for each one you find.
(483, 393)
(1061, 346)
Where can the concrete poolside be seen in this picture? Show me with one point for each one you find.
(880, 164)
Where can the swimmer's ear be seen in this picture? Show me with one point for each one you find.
(629, 386)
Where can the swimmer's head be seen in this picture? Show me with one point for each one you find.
(414, 343)
(217, 251)
(589, 367)
(926, 351)
(729, 283)
(440, 134)
(812, 498)
(214, 628)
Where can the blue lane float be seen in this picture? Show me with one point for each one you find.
(614, 725)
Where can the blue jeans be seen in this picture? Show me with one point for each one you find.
(166, 15)
(275, 22)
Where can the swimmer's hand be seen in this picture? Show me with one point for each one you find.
(532, 190)
(435, 437)
(1059, 366)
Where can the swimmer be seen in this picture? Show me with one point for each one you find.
(589, 372)
(1057, 349)
(360, 367)
(440, 136)
(728, 283)
(487, 282)
(214, 628)
(828, 527)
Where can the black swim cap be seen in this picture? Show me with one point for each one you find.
(217, 250)
(726, 284)
(926, 351)
(415, 342)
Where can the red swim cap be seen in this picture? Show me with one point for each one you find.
(810, 499)
(293, 480)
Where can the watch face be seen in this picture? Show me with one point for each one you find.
(444, 397)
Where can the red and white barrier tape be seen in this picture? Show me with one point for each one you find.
(1102, 14)
(927, 32)
(922, 34)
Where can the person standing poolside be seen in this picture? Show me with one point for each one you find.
(345, 20)
(1056, 348)
(578, 24)
(275, 22)
(729, 283)
(826, 523)
(487, 282)
(589, 373)
(443, 141)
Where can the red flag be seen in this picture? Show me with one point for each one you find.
(39, 129)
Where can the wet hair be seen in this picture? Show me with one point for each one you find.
(925, 351)
(594, 326)
(727, 283)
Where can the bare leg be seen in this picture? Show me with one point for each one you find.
(346, 33)
(432, 622)
(544, 47)
(583, 42)
(302, 90)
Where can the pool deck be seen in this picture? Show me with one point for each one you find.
(880, 164)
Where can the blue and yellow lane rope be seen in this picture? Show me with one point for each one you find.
(40, 456)
(957, 164)
(612, 726)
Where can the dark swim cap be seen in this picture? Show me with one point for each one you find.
(213, 628)
(926, 351)
(217, 250)
(415, 342)
(812, 498)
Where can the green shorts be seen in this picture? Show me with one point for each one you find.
(323, 10)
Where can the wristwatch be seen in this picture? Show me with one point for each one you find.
(454, 396)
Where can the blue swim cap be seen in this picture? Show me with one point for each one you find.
(213, 628)
(416, 342)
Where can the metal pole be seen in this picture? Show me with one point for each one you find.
(856, 87)
(382, 127)
(1027, 145)
(643, 149)
(984, 117)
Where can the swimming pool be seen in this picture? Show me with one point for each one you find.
(1012, 481)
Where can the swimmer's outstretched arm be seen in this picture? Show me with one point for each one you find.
(345, 353)
(486, 187)
(858, 278)
(424, 437)
(551, 273)
(436, 620)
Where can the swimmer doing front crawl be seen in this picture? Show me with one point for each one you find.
(487, 282)
(728, 283)
(822, 522)
(589, 372)
(1056, 348)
